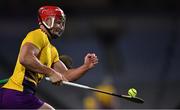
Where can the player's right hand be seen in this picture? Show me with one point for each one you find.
(57, 78)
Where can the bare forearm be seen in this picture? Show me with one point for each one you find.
(33, 64)
(74, 74)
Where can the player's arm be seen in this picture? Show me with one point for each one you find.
(75, 73)
(28, 58)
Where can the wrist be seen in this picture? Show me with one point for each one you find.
(85, 67)
(48, 71)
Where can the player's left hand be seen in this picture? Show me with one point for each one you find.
(90, 60)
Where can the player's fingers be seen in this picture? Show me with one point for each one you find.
(94, 62)
(64, 78)
(88, 55)
(57, 83)
(94, 59)
(91, 55)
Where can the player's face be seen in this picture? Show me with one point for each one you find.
(58, 27)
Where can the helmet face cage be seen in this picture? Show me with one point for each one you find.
(58, 26)
(50, 24)
(53, 19)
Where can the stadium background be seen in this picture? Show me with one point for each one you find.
(137, 42)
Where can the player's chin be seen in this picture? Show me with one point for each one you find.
(57, 34)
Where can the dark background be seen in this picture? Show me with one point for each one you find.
(137, 42)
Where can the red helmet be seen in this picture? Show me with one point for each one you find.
(53, 13)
